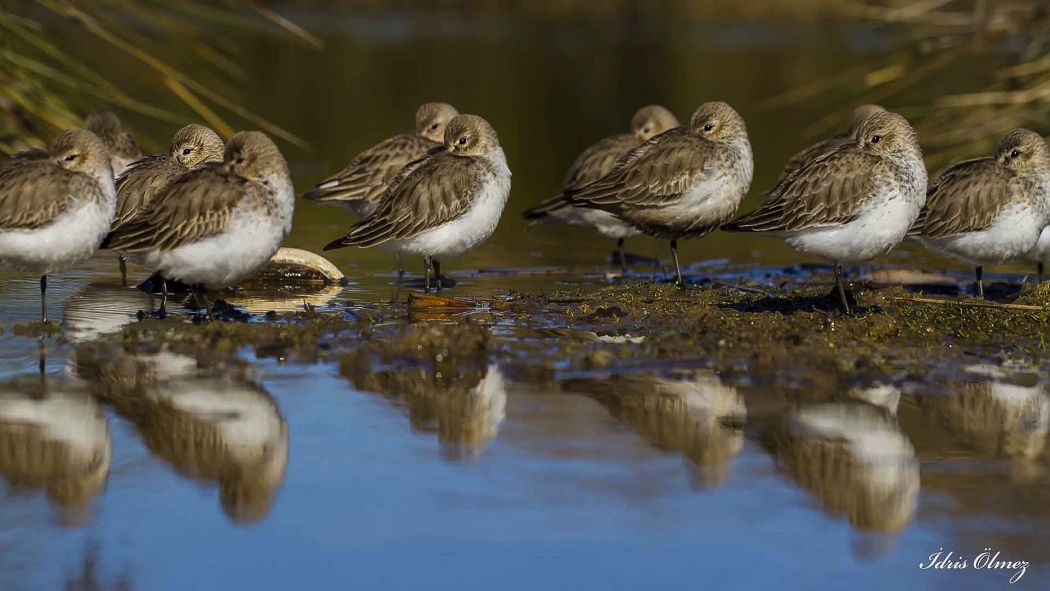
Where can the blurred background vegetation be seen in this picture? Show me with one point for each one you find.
(171, 61)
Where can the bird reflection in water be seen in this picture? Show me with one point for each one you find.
(212, 425)
(690, 411)
(855, 459)
(441, 376)
(1004, 415)
(53, 436)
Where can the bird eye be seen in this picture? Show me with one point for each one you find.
(709, 127)
(876, 139)
(186, 151)
(434, 126)
(463, 141)
(646, 130)
(71, 157)
(1014, 154)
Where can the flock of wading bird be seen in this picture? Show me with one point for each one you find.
(210, 214)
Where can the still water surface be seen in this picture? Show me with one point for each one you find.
(148, 472)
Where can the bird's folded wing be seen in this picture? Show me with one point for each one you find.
(428, 193)
(965, 198)
(369, 173)
(35, 192)
(597, 160)
(195, 206)
(828, 190)
(653, 174)
(140, 184)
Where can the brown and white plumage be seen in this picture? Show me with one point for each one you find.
(367, 176)
(593, 164)
(682, 183)
(990, 210)
(445, 203)
(218, 224)
(123, 149)
(851, 203)
(191, 147)
(55, 210)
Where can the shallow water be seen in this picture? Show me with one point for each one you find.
(148, 471)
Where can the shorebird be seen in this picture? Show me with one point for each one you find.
(218, 224)
(191, 147)
(443, 204)
(594, 163)
(852, 203)
(683, 183)
(123, 149)
(987, 211)
(359, 186)
(55, 211)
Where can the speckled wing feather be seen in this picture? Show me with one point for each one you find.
(597, 160)
(653, 174)
(139, 185)
(966, 198)
(591, 165)
(36, 191)
(827, 190)
(372, 171)
(806, 154)
(195, 206)
(428, 193)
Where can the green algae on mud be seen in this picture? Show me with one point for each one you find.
(797, 338)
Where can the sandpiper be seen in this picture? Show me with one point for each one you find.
(852, 203)
(55, 211)
(191, 147)
(683, 183)
(856, 117)
(123, 149)
(444, 204)
(218, 224)
(987, 211)
(358, 187)
(594, 163)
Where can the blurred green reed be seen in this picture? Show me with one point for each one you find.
(46, 85)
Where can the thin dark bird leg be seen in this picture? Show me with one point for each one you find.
(163, 294)
(42, 362)
(426, 274)
(400, 266)
(980, 282)
(842, 288)
(677, 268)
(1039, 271)
(123, 269)
(621, 255)
(43, 298)
(437, 273)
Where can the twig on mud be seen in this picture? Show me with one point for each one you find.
(964, 304)
(744, 288)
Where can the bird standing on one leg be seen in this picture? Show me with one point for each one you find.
(594, 163)
(987, 211)
(55, 208)
(683, 183)
(851, 203)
